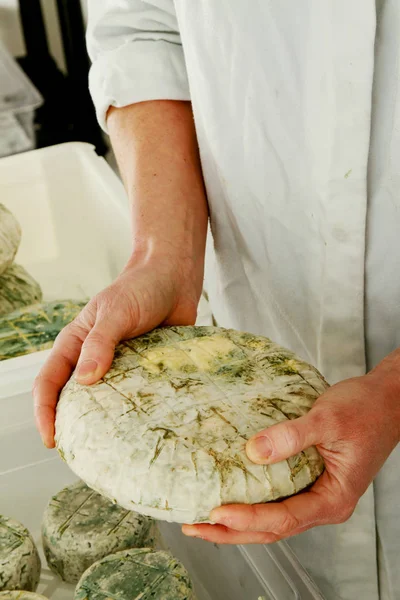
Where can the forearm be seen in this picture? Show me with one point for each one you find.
(156, 149)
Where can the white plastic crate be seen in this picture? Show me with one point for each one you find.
(75, 223)
(18, 101)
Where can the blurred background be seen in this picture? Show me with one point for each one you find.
(44, 98)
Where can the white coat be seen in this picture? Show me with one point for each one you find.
(297, 111)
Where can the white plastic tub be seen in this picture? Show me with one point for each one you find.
(75, 222)
(18, 101)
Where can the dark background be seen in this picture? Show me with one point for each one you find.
(67, 113)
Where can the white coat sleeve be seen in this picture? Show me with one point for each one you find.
(136, 53)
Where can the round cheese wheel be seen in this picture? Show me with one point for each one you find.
(80, 527)
(21, 595)
(35, 328)
(19, 559)
(164, 432)
(10, 237)
(17, 289)
(137, 573)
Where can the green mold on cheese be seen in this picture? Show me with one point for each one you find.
(35, 328)
(80, 527)
(134, 574)
(10, 237)
(176, 436)
(17, 289)
(21, 595)
(19, 559)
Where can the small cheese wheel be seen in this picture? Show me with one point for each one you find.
(34, 328)
(17, 289)
(138, 573)
(19, 559)
(164, 431)
(21, 595)
(80, 527)
(10, 237)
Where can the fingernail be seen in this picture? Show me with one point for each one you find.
(190, 531)
(47, 443)
(259, 449)
(86, 369)
(220, 519)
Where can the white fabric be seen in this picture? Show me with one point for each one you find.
(298, 122)
(383, 247)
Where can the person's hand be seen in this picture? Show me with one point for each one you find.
(149, 292)
(355, 425)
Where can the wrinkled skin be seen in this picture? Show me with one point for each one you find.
(146, 294)
(355, 425)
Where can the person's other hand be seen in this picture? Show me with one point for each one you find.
(149, 292)
(355, 425)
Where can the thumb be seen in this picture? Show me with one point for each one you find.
(283, 440)
(97, 351)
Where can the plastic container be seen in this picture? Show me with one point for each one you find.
(13, 137)
(18, 101)
(75, 223)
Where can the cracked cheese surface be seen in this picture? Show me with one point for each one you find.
(164, 432)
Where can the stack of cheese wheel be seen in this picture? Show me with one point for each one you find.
(107, 550)
(26, 323)
(80, 527)
(17, 287)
